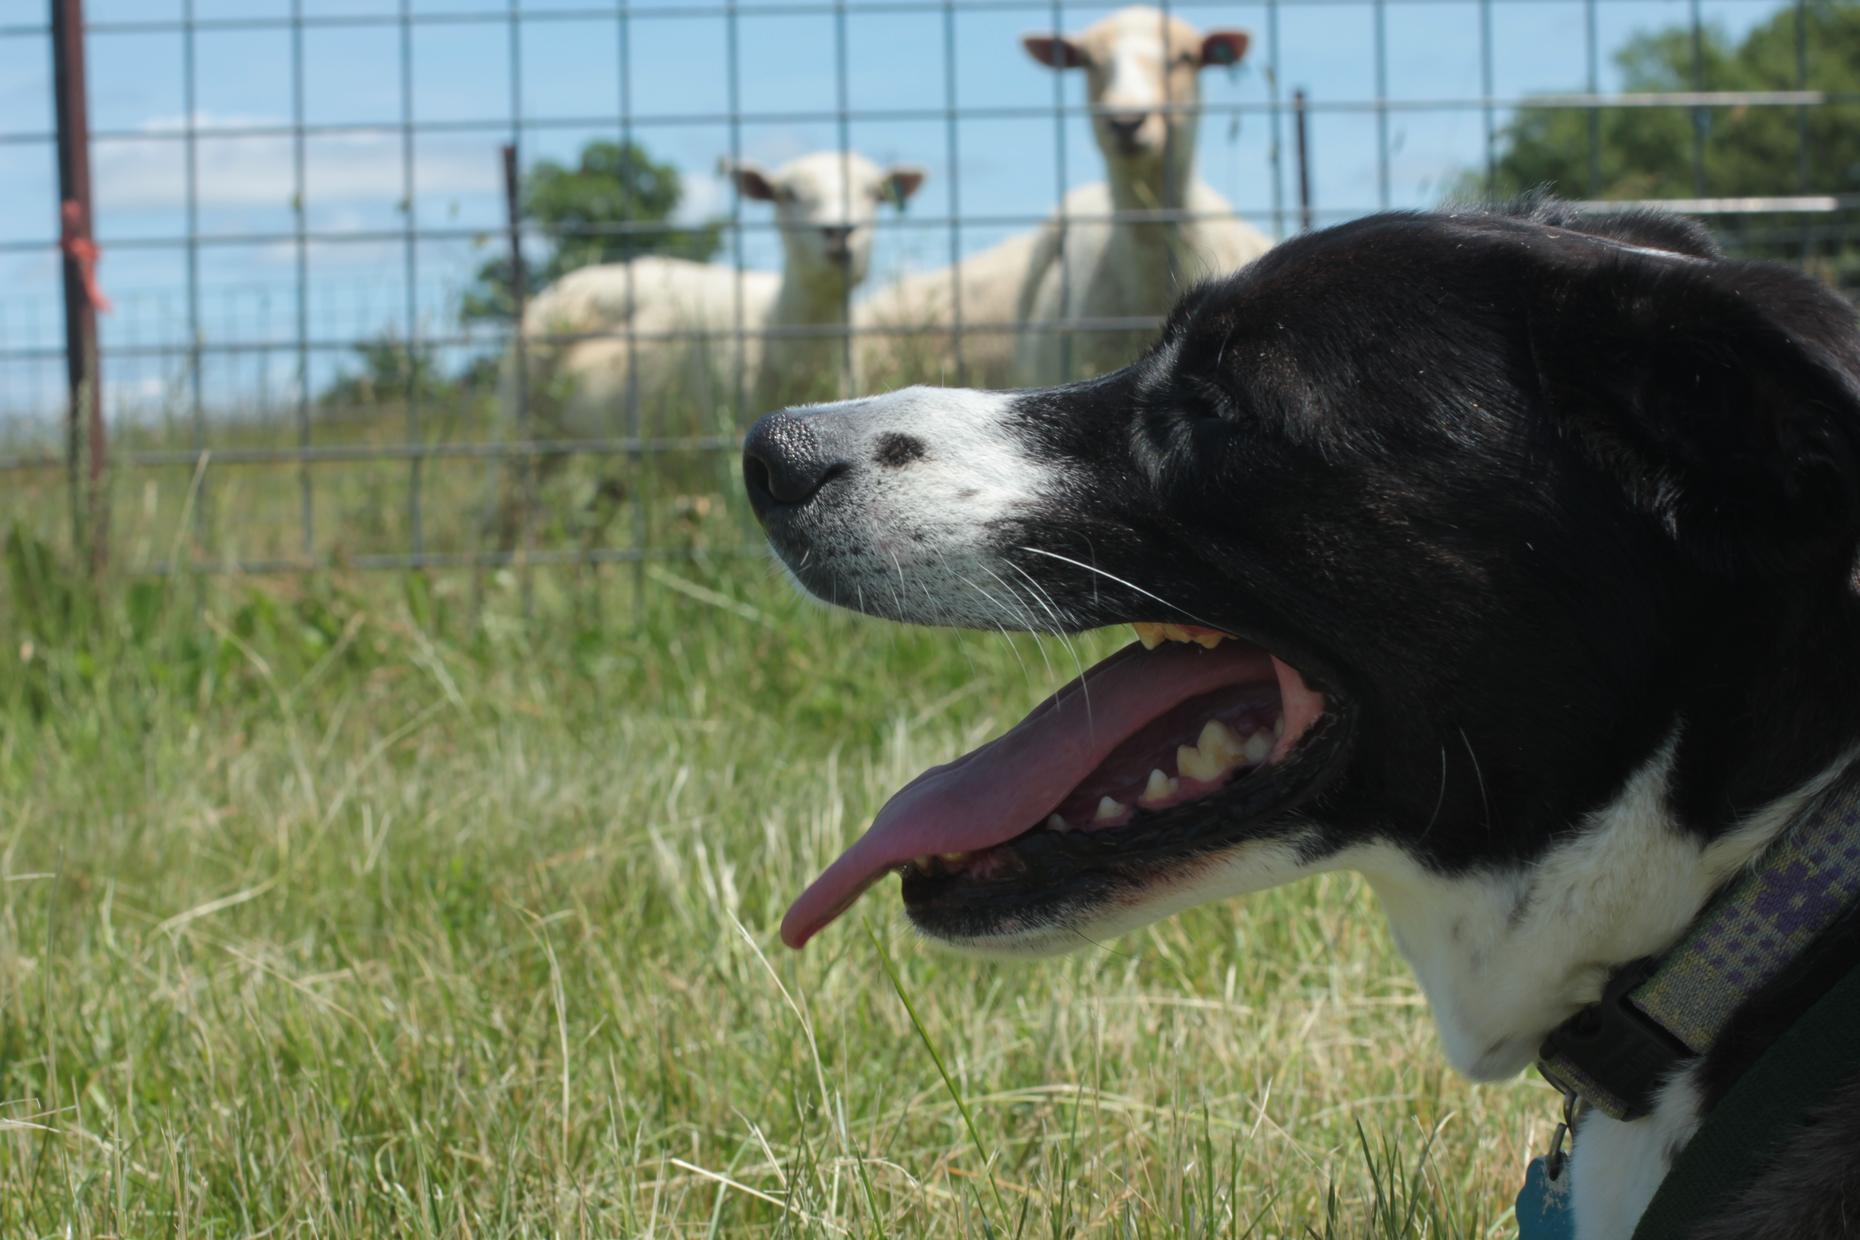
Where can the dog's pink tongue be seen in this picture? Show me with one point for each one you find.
(994, 793)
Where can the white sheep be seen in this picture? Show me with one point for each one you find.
(1127, 247)
(584, 334)
(907, 329)
(662, 330)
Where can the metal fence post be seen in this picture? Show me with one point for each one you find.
(520, 298)
(84, 440)
(1299, 126)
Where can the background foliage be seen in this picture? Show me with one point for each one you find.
(1648, 152)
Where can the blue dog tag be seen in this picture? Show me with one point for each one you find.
(1543, 1204)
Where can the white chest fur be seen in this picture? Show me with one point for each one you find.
(1617, 1166)
(1505, 956)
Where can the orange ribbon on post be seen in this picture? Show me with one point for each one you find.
(75, 240)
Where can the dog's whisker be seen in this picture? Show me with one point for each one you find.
(1041, 596)
(1027, 620)
(897, 594)
(930, 599)
(1003, 629)
(1102, 946)
(1480, 776)
(1441, 798)
(1129, 585)
(1097, 595)
(1025, 672)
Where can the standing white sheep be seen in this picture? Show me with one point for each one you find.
(658, 330)
(1129, 246)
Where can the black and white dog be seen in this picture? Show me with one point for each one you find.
(1507, 558)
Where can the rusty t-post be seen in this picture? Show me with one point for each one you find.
(86, 449)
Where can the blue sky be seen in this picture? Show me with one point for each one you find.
(570, 76)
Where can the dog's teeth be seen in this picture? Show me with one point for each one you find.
(1153, 634)
(1258, 746)
(1278, 727)
(1199, 763)
(1057, 822)
(1219, 740)
(923, 864)
(1108, 809)
(951, 858)
(1216, 751)
(1160, 788)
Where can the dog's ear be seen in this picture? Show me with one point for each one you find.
(1724, 396)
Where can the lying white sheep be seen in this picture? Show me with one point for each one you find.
(1129, 246)
(666, 329)
(907, 329)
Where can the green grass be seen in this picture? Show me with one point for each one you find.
(202, 505)
(336, 907)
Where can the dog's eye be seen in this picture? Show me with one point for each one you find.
(1208, 399)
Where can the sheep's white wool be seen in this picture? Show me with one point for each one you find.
(1088, 268)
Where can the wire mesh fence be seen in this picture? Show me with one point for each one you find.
(342, 335)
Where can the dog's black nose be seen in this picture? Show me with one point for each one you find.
(784, 463)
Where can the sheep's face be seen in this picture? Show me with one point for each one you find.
(1142, 71)
(825, 205)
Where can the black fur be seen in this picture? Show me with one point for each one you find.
(1810, 1188)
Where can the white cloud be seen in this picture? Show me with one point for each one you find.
(259, 171)
(706, 195)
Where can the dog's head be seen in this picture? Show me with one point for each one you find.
(1488, 506)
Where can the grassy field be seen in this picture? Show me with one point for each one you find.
(233, 497)
(339, 907)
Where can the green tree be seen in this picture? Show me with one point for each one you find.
(1748, 150)
(582, 211)
(388, 369)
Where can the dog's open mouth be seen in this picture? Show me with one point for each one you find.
(1163, 750)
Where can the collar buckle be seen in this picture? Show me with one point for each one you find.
(1611, 1054)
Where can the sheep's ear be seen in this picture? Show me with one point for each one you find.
(1224, 47)
(901, 182)
(1055, 51)
(751, 181)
